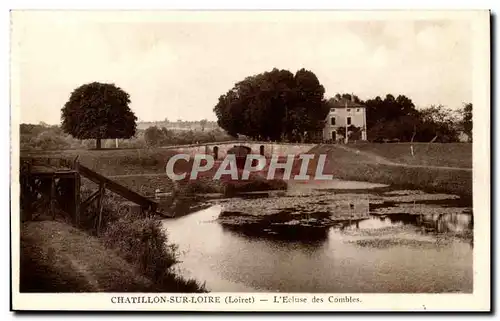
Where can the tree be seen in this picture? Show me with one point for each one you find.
(391, 118)
(98, 111)
(154, 136)
(353, 132)
(273, 105)
(437, 123)
(467, 120)
(338, 97)
(203, 123)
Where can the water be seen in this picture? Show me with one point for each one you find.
(380, 254)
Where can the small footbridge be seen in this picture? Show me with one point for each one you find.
(53, 186)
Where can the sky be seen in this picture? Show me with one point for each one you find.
(176, 66)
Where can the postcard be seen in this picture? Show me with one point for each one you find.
(250, 160)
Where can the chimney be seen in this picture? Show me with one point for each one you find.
(352, 97)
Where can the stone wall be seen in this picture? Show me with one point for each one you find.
(267, 149)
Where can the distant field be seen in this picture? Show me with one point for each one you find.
(450, 155)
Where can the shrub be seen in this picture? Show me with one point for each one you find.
(143, 243)
(112, 210)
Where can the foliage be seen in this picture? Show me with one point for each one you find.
(203, 123)
(140, 241)
(143, 243)
(40, 137)
(273, 105)
(353, 132)
(437, 124)
(467, 120)
(397, 119)
(44, 137)
(391, 117)
(155, 136)
(98, 111)
(339, 97)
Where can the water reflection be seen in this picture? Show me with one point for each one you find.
(295, 259)
(456, 224)
(271, 242)
(302, 234)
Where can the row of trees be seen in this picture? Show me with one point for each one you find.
(279, 105)
(155, 136)
(398, 118)
(202, 125)
(52, 137)
(274, 105)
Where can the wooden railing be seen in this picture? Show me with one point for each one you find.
(48, 171)
(121, 190)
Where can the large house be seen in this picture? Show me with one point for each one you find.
(345, 115)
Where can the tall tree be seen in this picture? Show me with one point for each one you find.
(391, 117)
(98, 111)
(273, 105)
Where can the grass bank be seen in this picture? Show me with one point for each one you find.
(56, 257)
(130, 254)
(435, 154)
(347, 164)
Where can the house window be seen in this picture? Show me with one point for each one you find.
(357, 110)
(348, 109)
(348, 120)
(332, 110)
(333, 120)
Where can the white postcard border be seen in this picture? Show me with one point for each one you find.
(479, 300)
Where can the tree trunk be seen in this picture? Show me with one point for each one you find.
(98, 143)
(412, 138)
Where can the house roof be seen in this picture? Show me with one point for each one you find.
(343, 103)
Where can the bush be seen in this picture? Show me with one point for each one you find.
(112, 211)
(143, 243)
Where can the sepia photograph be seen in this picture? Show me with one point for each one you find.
(259, 160)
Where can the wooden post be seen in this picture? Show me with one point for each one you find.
(102, 190)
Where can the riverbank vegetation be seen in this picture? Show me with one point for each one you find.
(126, 253)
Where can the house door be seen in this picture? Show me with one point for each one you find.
(334, 136)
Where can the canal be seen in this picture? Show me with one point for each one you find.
(396, 246)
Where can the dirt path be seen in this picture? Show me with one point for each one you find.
(56, 257)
